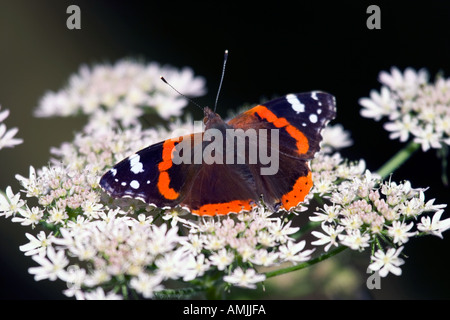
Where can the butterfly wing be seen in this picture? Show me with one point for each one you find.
(299, 117)
(148, 175)
(299, 120)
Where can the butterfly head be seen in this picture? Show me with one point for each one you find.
(211, 118)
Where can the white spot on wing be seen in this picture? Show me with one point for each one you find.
(113, 172)
(134, 184)
(296, 105)
(313, 118)
(135, 165)
(314, 95)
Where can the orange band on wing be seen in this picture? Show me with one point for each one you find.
(214, 209)
(298, 193)
(164, 178)
(167, 150)
(302, 141)
(163, 186)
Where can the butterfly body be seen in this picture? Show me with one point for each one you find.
(261, 153)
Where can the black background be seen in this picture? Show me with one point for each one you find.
(275, 48)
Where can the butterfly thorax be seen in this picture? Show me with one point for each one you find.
(213, 120)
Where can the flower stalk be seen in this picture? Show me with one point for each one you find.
(306, 264)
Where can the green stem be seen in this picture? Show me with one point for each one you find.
(181, 292)
(306, 264)
(398, 159)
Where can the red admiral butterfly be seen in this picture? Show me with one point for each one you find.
(222, 187)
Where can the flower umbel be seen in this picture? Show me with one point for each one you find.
(415, 107)
(121, 93)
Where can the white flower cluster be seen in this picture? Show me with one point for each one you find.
(92, 242)
(7, 139)
(413, 106)
(121, 93)
(364, 211)
(256, 239)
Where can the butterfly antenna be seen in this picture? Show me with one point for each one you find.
(190, 100)
(225, 58)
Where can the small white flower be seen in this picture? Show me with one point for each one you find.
(399, 232)
(29, 216)
(336, 137)
(246, 252)
(174, 215)
(57, 215)
(168, 106)
(264, 258)
(195, 267)
(91, 209)
(146, 284)
(75, 279)
(430, 206)
(330, 237)
(401, 128)
(387, 262)
(11, 203)
(281, 232)
(194, 244)
(171, 265)
(355, 240)
(379, 105)
(7, 139)
(266, 238)
(427, 137)
(222, 259)
(52, 265)
(330, 213)
(293, 252)
(31, 185)
(245, 279)
(163, 240)
(37, 245)
(434, 226)
(128, 114)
